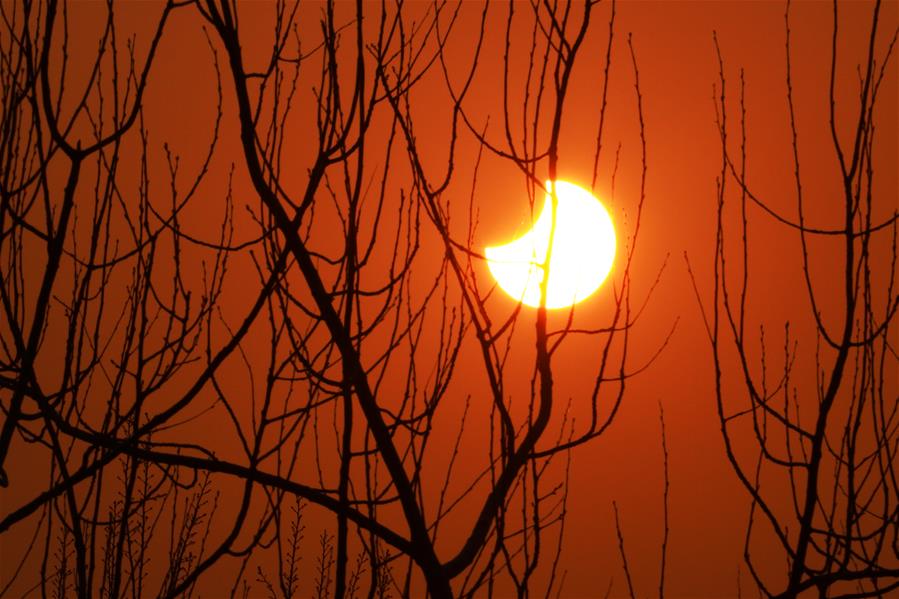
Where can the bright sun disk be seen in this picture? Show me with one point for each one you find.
(583, 251)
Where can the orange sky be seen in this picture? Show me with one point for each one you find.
(675, 53)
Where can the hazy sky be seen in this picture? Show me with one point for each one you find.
(678, 71)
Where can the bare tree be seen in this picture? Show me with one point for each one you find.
(823, 478)
(95, 332)
(330, 383)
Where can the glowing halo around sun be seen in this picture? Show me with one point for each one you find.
(583, 251)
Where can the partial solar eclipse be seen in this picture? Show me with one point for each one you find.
(583, 250)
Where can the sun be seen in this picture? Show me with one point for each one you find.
(583, 250)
